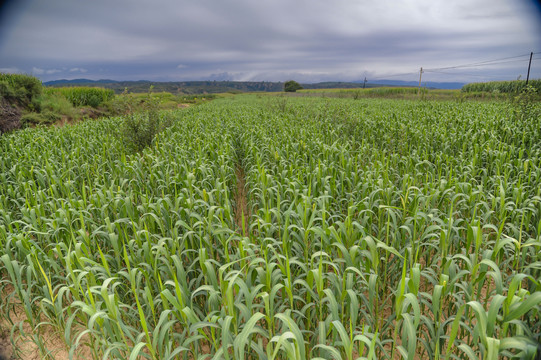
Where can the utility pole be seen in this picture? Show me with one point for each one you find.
(364, 83)
(420, 77)
(529, 66)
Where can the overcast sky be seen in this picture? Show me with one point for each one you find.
(271, 40)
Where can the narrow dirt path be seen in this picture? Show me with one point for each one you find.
(242, 209)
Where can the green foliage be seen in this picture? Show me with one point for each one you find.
(526, 106)
(205, 88)
(121, 104)
(195, 88)
(20, 89)
(83, 96)
(58, 104)
(512, 87)
(384, 92)
(43, 118)
(292, 86)
(17, 93)
(278, 103)
(337, 229)
(139, 129)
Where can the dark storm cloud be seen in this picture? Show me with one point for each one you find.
(265, 40)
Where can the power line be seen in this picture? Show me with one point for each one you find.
(454, 73)
(478, 65)
(484, 63)
(393, 75)
(492, 62)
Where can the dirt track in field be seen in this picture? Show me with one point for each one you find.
(241, 201)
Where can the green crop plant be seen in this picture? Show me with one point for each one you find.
(371, 229)
(513, 87)
(83, 96)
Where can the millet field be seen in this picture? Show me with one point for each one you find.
(268, 227)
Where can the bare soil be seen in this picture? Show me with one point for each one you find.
(241, 201)
(23, 347)
(5, 346)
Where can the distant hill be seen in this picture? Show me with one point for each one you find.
(212, 87)
(197, 87)
(65, 82)
(180, 87)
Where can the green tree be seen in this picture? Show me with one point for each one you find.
(292, 86)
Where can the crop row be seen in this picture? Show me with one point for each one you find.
(373, 229)
(513, 87)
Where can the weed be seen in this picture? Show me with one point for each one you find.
(139, 129)
(278, 103)
(526, 104)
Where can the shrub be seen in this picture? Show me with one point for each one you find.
(139, 129)
(20, 89)
(121, 104)
(292, 86)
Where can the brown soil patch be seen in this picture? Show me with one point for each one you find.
(65, 120)
(5, 346)
(241, 201)
(90, 112)
(24, 347)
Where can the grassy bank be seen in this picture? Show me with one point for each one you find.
(24, 102)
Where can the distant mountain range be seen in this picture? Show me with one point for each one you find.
(78, 81)
(209, 87)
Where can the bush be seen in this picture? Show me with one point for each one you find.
(121, 104)
(20, 89)
(94, 101)
(139, 129)
(292, 86)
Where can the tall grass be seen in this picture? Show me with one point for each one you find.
(376, 229)
(83, 96)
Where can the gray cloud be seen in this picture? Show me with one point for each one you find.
(310, 40)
